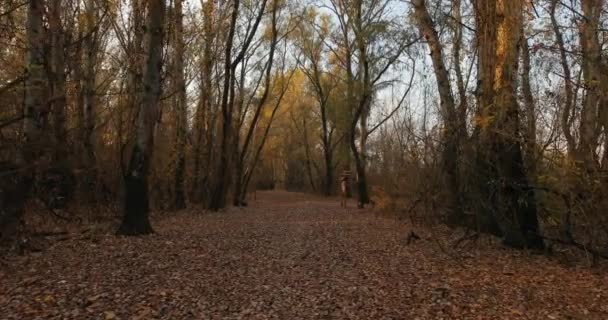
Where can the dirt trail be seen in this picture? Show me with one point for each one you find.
(290, 256)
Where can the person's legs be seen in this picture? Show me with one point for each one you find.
(343, 193)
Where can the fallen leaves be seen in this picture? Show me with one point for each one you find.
(291, 257)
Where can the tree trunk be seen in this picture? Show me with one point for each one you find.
(58, 97)
(256, 156)
(591, 62)
(136, 208)
(363, 102)
(314, 74)
(362, 193)
(135, 58)
(218, 197)
(222, 174)
(240, 187)
(530, 148)
(203, 123)
(460, 82)
(323, 97)
(15, 188)
(36, 111)
(77, 77)
(452, 131)
(329, 171)
(507, 196)
(566, 121)
(89, 111)
(179, 202)
(311, 180)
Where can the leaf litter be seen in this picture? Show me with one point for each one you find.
(292, 256)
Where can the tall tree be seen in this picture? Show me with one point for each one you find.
(530, 147)
(370, 23)
(508, 196)
(136, 205)
(35, 113)
(181, 121)
(568, 105)
(58, 98)
(452, 130)
(591, 66)
(311, 43)
(240, 186)
(222, 175)
(35, 127)
(218, 197)
(88, 104)
(204, 124)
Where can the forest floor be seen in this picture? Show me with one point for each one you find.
(292, 256)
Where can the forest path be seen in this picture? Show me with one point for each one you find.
(291, 256)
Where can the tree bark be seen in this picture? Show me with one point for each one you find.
(240, 190)
(530, 147)
(222, 174)
(203, 122)
(591, 62)
(15, 188)
(309, 161)
(89, 109)
(452, 131)
(322, 96)
(136, 207)
(507, 195)
(460, 82)
(218, 197)
(58, 86)
(179, 201)
(36, 109)
(566, 121)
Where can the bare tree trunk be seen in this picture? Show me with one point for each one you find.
(363, 135)
(452, 130)
(362, 192)
(329, 169)
(179, 202)
(314, 74)
(239, 187)
(136, 207)
(460, 82)
(530, 148)
(328, 151)
(203, 126)
(326, 140)
(135, 59)
(256, 156)
(15, 187)
(77, 76)
(36, 109)
(566, 121)
(363, 102)
(218, 198)
(223, 177)
(58, 97)
(89, 111)
(566, 111)
(307, 153)
(586, 185)
(507, 195)
(591, 51)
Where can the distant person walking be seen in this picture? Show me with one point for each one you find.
(344, 188)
